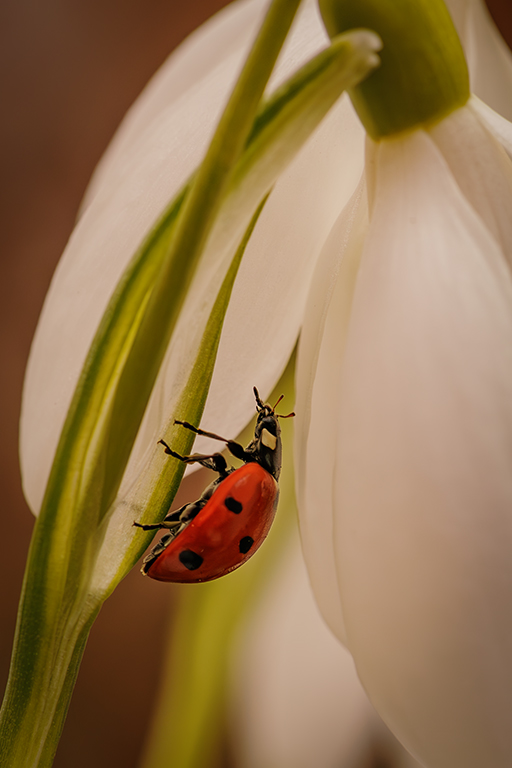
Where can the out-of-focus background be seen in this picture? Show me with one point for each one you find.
(69, 71)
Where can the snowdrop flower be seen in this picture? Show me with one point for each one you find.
(169, 126)
(405, 403)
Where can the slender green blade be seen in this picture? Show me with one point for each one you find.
(159, 486)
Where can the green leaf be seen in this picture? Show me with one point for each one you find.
(154, 494)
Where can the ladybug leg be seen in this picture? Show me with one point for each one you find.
(170, 452)
(198, 431)
(180, 517)
(215, 461)
(156, 526)
(173, 519)
(235, 448)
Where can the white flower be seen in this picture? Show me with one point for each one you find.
(405, 438)
(158, 144)
(405, 371)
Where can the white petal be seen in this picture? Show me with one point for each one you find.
(219, 43)
(134, 185)
(273, 283)
(488, 56)
(321, 350)
(500, 128)
(297, 699)
(217, 47)
(481, 168)
(423, 520)
(145, 178)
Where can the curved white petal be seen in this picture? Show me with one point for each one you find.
(500, 128)
(273, 283)
(146, 175)
(321, 349)
(219, 43)
(488, 56)
(481, 168)
(296, 698)
(148, 165)
(423, 495)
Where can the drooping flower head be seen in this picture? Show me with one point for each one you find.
(394, 358)
(405, 392)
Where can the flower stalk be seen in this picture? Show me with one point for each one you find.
(423, 75)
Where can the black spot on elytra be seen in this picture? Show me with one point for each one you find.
(245, 544)
(190, 560)
(233, 505)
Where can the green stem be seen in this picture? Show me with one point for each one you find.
(423, 74)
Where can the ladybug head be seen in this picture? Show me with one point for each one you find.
(266, 445)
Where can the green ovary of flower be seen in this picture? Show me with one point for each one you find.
(423, 75)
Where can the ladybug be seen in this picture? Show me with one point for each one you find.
(216, 534)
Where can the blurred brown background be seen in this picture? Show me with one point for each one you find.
(69, 71)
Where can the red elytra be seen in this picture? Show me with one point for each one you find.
(214, 541)
(220, 531)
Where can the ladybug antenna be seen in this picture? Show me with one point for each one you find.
(275, 406)
(259, 404)
(279, 416)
